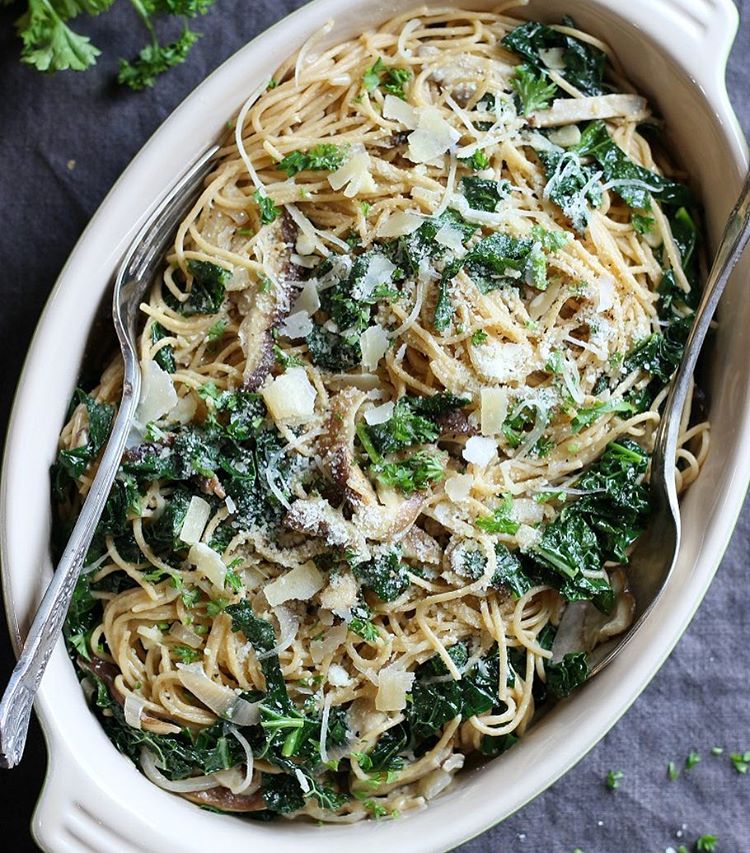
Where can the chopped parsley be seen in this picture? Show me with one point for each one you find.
(268, 210)
(320, 158)
(533, 88)
(740, 761)
(614, 778)
(390, 79)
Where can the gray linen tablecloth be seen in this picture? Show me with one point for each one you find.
(63, 142)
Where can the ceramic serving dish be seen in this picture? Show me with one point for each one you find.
(94, 798)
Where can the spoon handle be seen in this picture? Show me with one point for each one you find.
(733, 241)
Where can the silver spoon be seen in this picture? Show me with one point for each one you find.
(134, 275)
(656, 550)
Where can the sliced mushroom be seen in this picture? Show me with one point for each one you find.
(223, 799)
(573, 110)
(420, 546)
(338, 442)
(389, 520)
(455, 423)
(316, 517)
(267, 307)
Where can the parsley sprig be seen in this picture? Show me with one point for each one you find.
(50, 44)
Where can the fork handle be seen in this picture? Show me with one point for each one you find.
(133, 275)
(733, 242)
(15, 708)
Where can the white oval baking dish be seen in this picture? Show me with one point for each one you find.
(94, 799)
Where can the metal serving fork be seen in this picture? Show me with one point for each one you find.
(133, 277)
(655, 552)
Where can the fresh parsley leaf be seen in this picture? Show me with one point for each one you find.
(48, 42)
(740, 761)
(501, 520)
(411, 474)
(320, 158)
(478, 161)
(706, 843)
(479, 337)
(613, 779)
(268, 210)
(533, 87)
(391, 79)
(155, 59)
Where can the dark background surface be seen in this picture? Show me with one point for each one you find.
(63, 141)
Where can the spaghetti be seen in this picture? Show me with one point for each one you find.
(402, 373)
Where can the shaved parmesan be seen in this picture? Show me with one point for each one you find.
(494, 410)
(458, 487)
(480, 450)
(184, 411)
(605, 293)
(378, 271)
(354, 174)
(552, 57)
(398, 110)
(158, 395)
(373, 343)
(291, 396)
(399, 224)
(379, 414)
(432, 138)
(300, 583)
(297, 325)
(195, 520)
(308, 299)
(209, 563)
(340, 595)
(451, 237)
(505, 362)
(329, 642)
(338, 676)
(393, 685)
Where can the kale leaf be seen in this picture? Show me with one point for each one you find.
(584, 64)
(206, 295)
(572, 186)
(633, 183)
(164, 356)
(484, 193)
(72, 464)
(564, 676)
(385, 575)
(414, 421)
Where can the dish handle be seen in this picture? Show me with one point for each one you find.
(68, 816)
(701, 28)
